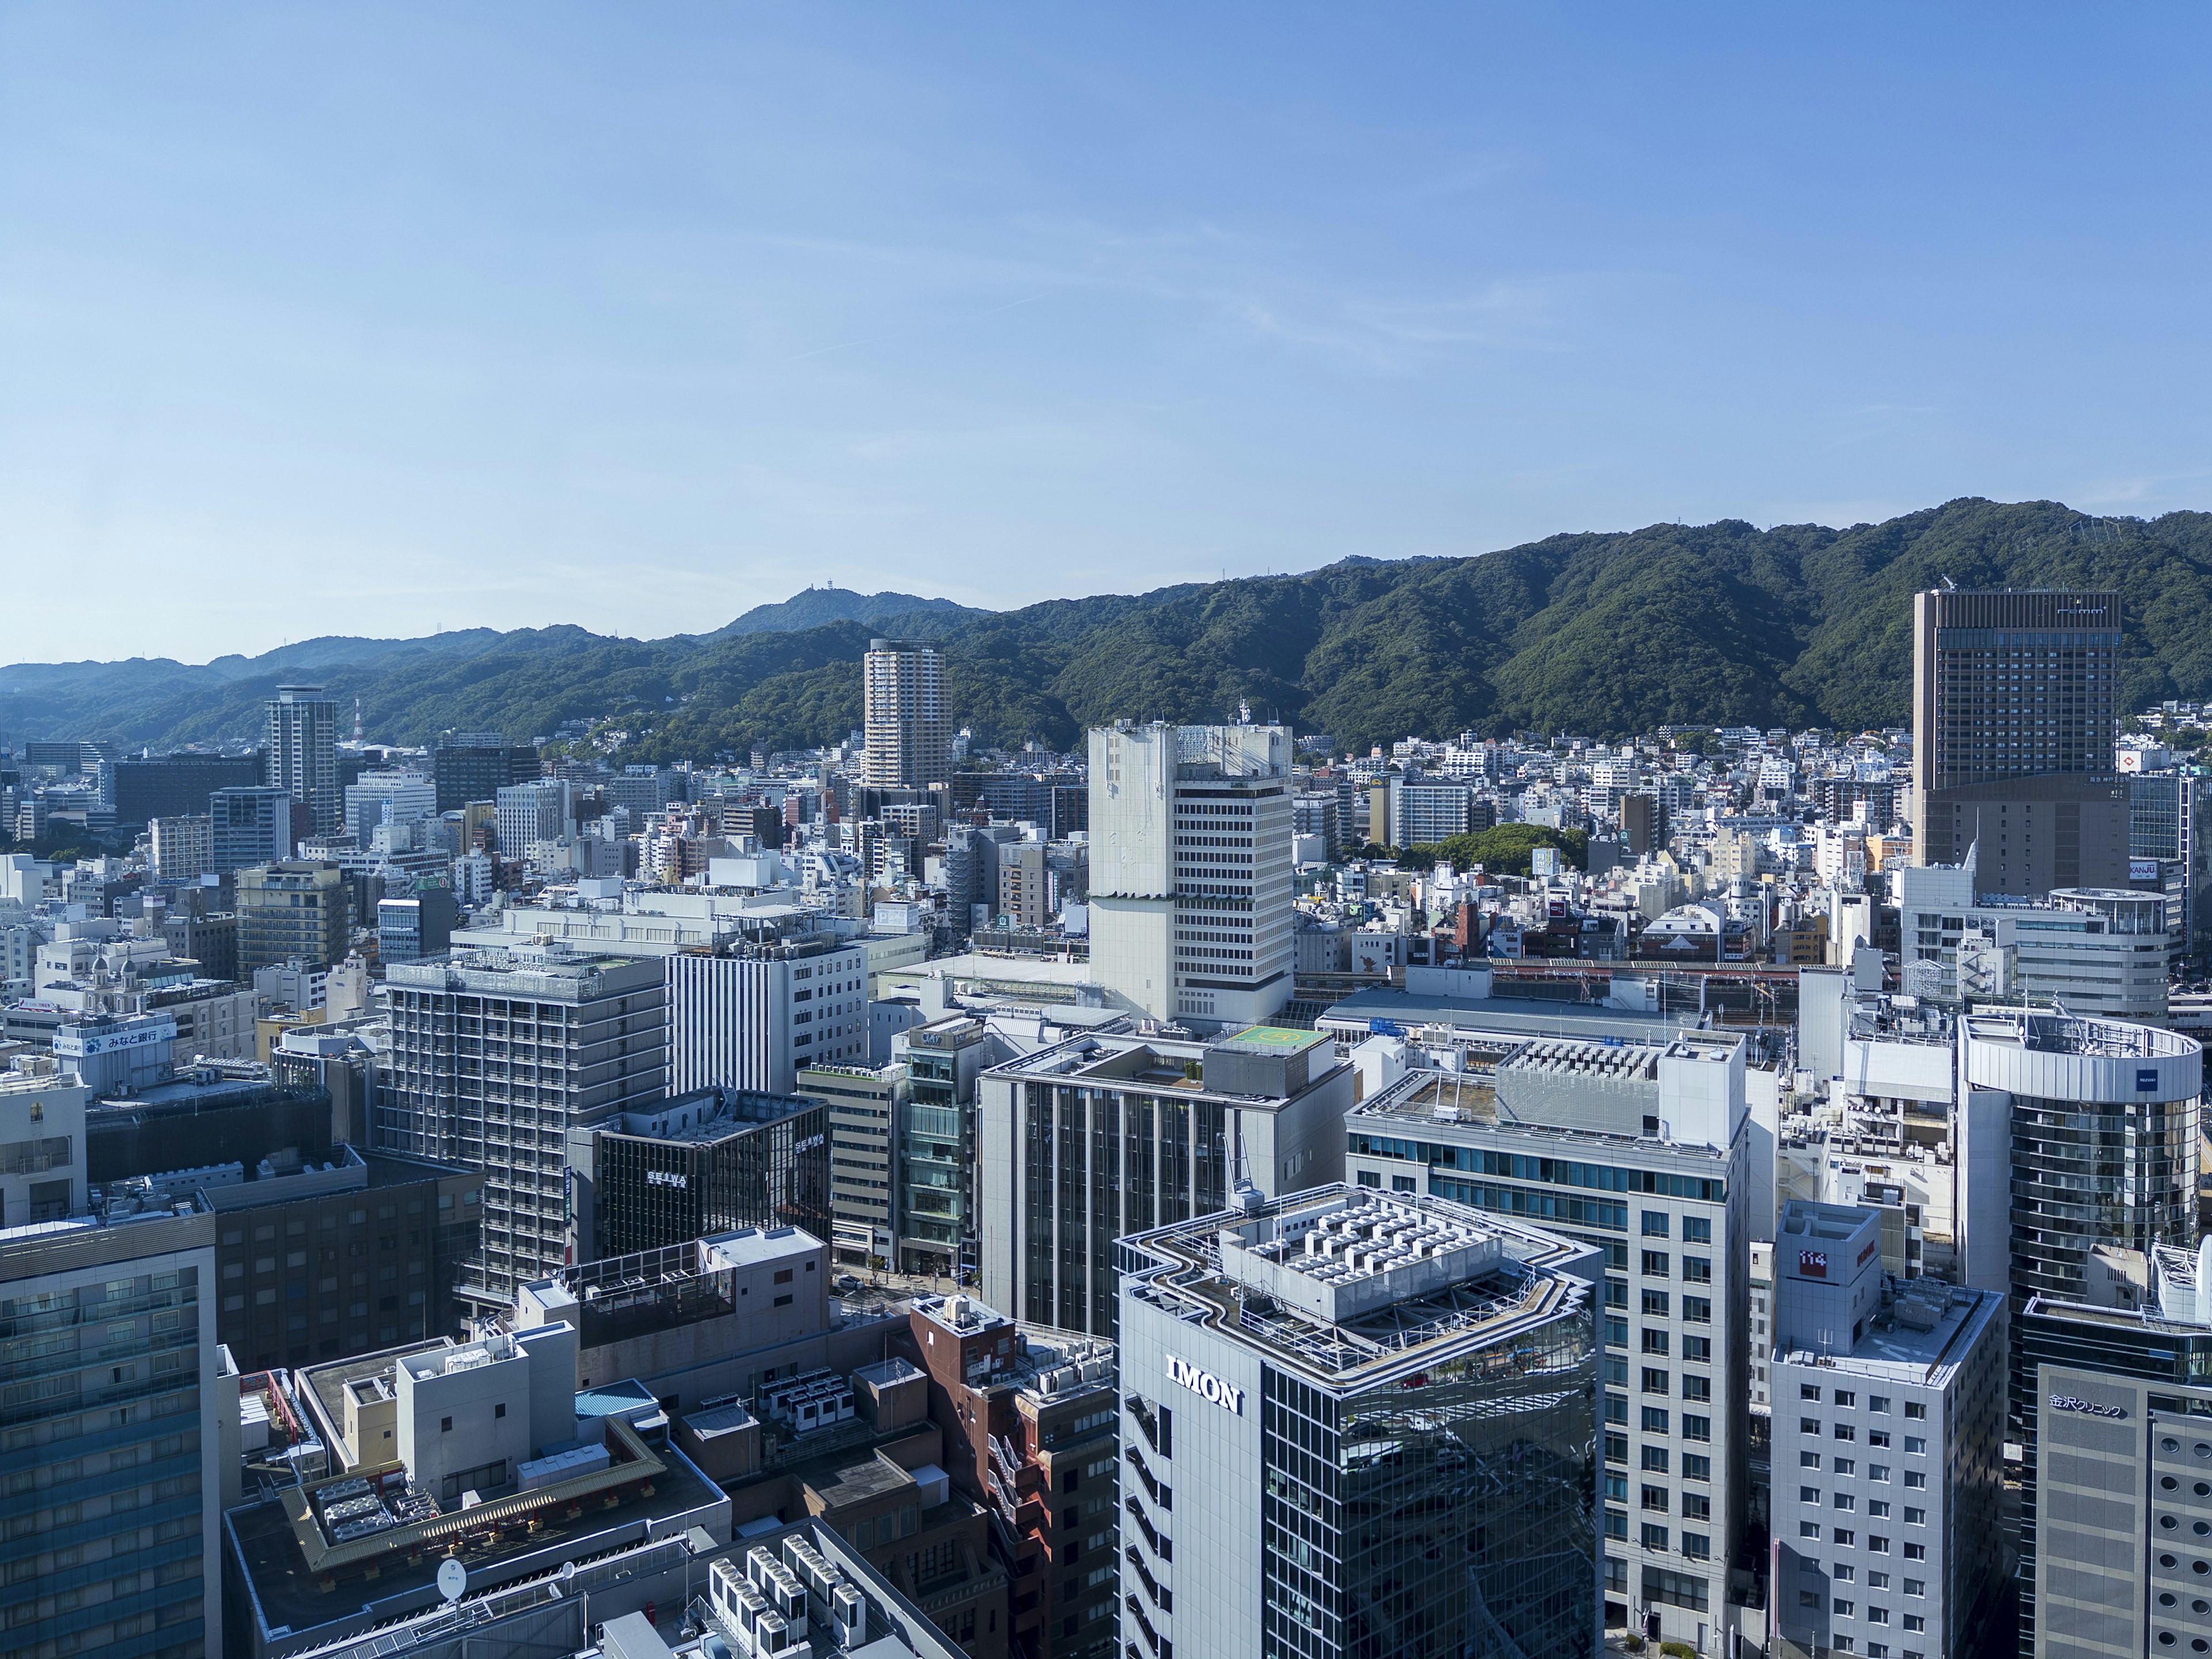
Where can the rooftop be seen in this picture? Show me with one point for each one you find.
(1504, 1016)
(1925, 1329)
(1395, 1283)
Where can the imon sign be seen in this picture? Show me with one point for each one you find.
(1206, 1385)
(1814, 1262)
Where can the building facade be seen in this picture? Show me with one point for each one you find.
(496, 1055)
(1359, 1424)
(248, 826)
(1191, 872)
(909, 742)
(750, 1018)
(1098, 1137)
(469, 767)
(293, 911)
(300, 751)
(937, 1153)
(2014, 720)
(709, 1162)
(1643, 1152)
(863, 1103)
(180, 849)
(1888, 1448)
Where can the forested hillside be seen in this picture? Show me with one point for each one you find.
(1600, 634)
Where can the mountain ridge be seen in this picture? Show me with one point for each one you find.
(1602, 633)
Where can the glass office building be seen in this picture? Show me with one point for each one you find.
(1408, 1386)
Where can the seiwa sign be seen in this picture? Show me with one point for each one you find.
(1206, 1385)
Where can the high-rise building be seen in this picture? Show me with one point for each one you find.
(534, 811)
(1096, 1137)
(1356, 1423)
(748, 1019)
(495, 1056)
(293, 910)
(116, 1428)
(475, 766)
(2101, 1121)
(2167, 817)
(1643, 1151)
(300, 752)
(408, 796)
(909, 740)
(2013, 718)
(410, 927)
(182, 849)
(1191, 874)
(248, 826)
(1888, 1415)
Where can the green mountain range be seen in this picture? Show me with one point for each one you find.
(1601, 634)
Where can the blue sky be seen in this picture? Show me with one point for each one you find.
(385, 319)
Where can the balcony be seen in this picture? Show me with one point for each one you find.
(1162, 1545)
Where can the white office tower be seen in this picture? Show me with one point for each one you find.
(300, 736)
(1191, 872)
(409, 795)
(1358, 1424)
(751, 1019)
(903, 715)
(180, 849)
(114, 1409)
(1643, 1151)
(532, 812)
(1889, 1402)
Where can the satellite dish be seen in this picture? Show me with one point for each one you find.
(453, 1579)
(567, 1570)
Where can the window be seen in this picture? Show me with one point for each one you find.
(1809, 1391)
(1697, 1467)
(1915, 1480)
(1913, 1621)
(1655, 1224)
(1809, 1426)
(1846, 1397)
(1655, 1498)
(1915, 1552)
(1616, 1488)
(1616, 1524)
(1915, 1446)
(1877, 1580)
(1654, 1342)
(1697, 1546)
(1655, 1305)
(1809, 1460)
(1809, 1494)
(1877, 1615)
(499, 1410)
(1809, 1529)
(1696, 1506)
(1846, 1536)
(1616, 1448)
(1843, 1609)
(1844, 1574)
(1616, 1410)
(1654, 1536)
(1616, 1333)
(1916, 1586)
(1403, 1184)
(1697, 1230)
(1655, 1380)
(1877, 1402)
(1698, 1269)
(1843, 1466)
(1808, 1598)
(1655, 1420)
(1697, 1428)
(1696, 1387)
(1845, 1501)
(1367, 1177)
(1699, 1349)
(445, 1425)
(1697, 1310)
(1877, 1471)
(1877, 1436)
(1655, 1459)
(1655, 1264)
(784, 1301)
(1914, 1409)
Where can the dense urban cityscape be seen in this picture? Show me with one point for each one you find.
(1730, 1191)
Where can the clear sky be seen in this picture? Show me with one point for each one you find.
(381, 319)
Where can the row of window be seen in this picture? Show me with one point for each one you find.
(1845, 1537)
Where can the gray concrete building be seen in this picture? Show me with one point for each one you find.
(1357, 1422)
(495, 1056)
(1888, 1415)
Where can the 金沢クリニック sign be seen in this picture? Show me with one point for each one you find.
(2067, 1402)
(1206, 1385)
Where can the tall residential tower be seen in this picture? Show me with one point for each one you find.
(908, 743)
(302, 752)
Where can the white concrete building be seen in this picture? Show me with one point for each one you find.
(749, 1019)
(1191, 873)
(408, 796)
